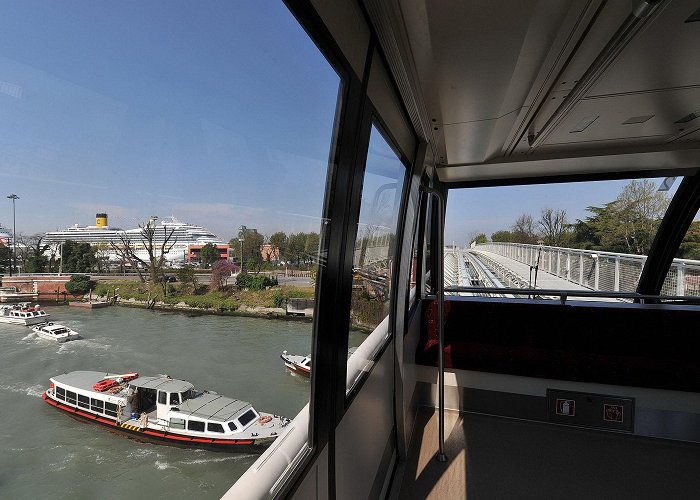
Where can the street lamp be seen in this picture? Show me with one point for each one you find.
(242, 230)
(13, 197)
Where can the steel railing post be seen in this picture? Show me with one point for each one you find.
(680, 279)
(616, 286)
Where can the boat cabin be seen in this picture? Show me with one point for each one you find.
(159, 394)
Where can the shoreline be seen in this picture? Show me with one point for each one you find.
(245, 311)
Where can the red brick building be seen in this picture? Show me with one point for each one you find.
(193, 252)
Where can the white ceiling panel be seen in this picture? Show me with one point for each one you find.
(666, 54)
(665, 106)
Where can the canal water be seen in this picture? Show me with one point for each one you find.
(45, 454)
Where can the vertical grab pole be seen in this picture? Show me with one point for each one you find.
(440, 279)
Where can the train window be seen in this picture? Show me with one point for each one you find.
(375, 245)
(578, 237)
(194, 142)
(683, 277)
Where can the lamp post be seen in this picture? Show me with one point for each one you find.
(14, 197)
(242, 230)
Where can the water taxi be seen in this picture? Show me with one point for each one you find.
(296, 363)
(56, 332)
(23, 314)
(164, 410)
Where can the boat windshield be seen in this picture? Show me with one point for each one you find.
(188, 394)
(58, 331)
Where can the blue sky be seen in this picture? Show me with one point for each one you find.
(487, 210)
(220, 113)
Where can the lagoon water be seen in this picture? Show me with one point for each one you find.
(45, 454)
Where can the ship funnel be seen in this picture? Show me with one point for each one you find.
(101, 220)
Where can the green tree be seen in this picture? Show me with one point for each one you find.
(627, 225)
(34, 259)
(311, 248)
(279, 241)
(480, 239)
(80, 283)
(690, 246)
(208, 255)
(252, 245)
(295, 247)
(78, 257)
(502, 237)
(186, 276)
(5, 257)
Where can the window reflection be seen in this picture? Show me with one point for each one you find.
(375, 246)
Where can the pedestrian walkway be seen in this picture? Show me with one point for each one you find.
(545, 280)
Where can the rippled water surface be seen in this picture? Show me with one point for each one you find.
(44, 453)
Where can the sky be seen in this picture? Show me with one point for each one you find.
(220, 113)
(487, 210)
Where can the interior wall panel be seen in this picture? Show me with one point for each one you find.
(381, 93)
(362, 435)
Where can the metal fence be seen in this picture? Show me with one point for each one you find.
(603, 271)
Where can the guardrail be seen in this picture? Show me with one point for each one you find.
(599, 271)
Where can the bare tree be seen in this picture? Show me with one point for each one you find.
(155, 250)
(125, 252)
(553, 226)
(524, 229)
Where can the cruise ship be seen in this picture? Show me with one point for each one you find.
(183, 235)
(5, 236)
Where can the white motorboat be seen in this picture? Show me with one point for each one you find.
(23, 314)
(164, 410)
(296, 363)
(56, 332)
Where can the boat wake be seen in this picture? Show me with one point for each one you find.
(234, 458)
(34, 390)
(72, 346)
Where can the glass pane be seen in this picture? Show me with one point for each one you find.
(375, 247)
(180, 151)
(585, 236)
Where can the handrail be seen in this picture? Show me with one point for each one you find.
(565, 294)
(440, 282)
(599, 270)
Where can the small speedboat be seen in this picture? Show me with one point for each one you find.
(56, 332)
(23, 314)
(163, 410)
(297, 364)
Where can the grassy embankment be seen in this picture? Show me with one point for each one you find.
(224, 301)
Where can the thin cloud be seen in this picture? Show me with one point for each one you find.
(52, 181)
